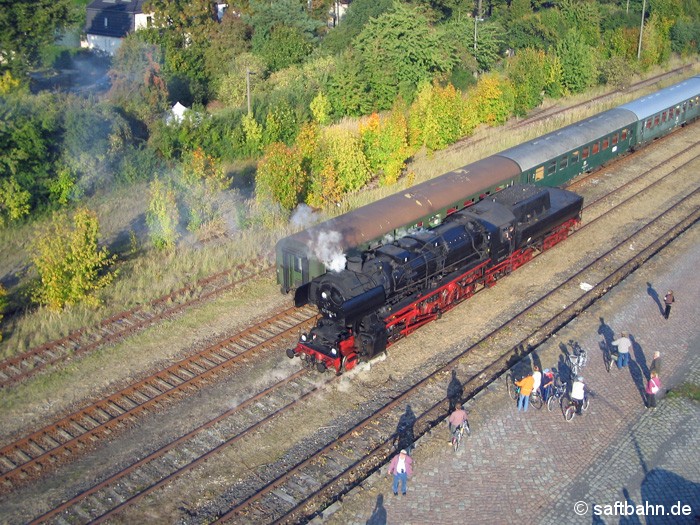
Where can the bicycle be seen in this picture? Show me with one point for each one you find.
(458, 434)
(610, 356)
(558, 393)
(577, 359)
(570, 409)
(514, 391)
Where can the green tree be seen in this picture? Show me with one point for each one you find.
(70, 263)
(489, 45)
(527, 74)
(183, 30)
(30, 133)
(398, 50)
(578, 61)
(280, 177)
(584, 17)
(14, 200)
(359, 13)
(27, 28)
(162, 216)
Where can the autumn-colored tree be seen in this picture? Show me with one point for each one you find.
(70, 263)
(280, 177)
(324, 189)
(385, 144)
(162, 216)
(439, 117)
(344, 148)
(493, 98)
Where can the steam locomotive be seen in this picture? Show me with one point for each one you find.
(388, 292)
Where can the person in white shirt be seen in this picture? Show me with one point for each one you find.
(577, 393)
(624, 345)
(537, 376)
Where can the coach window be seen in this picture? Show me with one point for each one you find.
(563, 162)
(656, 120)
(297, 264)
(646, 125)
(552, 167)
(596, 148)
(624, 134)
(586, 151)
(615, 138)
(606, 143)
(574, 157)
(664, 116)
(539, 173)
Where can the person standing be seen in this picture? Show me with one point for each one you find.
(653, 387)
(656, 364)
(668, 301)
(624, 345)
(401, 467)
(547, 384)
(537, 376)
(525, 384)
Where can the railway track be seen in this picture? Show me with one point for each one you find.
(123, 324)
(300, 492)
(129, 322)
(60, 442)
(249, 501)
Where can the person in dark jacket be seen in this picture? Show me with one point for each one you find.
(668, 301)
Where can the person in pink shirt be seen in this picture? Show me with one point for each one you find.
(401, 467)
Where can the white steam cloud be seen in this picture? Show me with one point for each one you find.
(303, 216)
(327, 250)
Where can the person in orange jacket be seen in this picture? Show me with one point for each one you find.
(526, 385)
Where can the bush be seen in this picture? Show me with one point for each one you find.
(162, 216)
(70, 264)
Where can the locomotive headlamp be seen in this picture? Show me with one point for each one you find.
(334, 351)
(303, 337)
(324, 295)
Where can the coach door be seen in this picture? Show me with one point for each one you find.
(296, 270)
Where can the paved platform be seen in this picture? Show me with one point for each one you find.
(617, 463)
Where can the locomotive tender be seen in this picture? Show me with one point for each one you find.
(389, 292)
(550, 160)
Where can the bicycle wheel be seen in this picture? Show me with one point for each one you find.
(569, 412)
(466, 427)
(456, 440)
(586, 402)
(512, 389)
(536, 400)
(551, 402)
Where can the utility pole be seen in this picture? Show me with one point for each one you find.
(641, 30)
(476, 20)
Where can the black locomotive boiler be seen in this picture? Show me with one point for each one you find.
(388, 292)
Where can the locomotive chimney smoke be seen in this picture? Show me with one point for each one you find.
(327, 250)
(303, 216)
